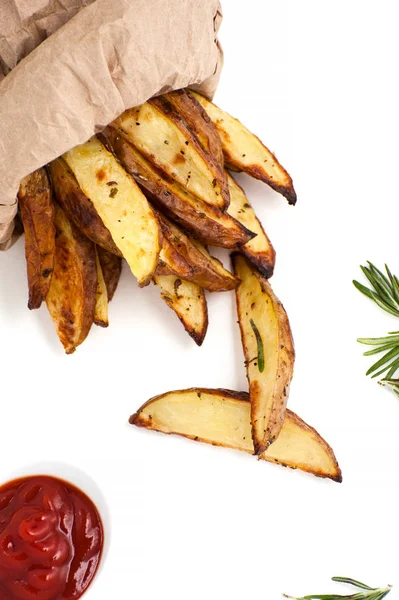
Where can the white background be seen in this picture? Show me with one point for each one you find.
(317, 81)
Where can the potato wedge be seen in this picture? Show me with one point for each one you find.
(268, 349)
(156, 129)
(188, 302)
(243, 151)
(259, 249)
(111, 267)
(209, 223)
(71, 298)
(223, 418)
(207, 271)
(37, 215)
(78, 207)
(199, 121)
(121, 205)
(101, 308)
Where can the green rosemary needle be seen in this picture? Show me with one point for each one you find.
(385, 288)
(368, 593)
(259, 343)
(389, 363)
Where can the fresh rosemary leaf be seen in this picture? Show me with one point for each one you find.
(354, 582)
(393, 368)
(368, 593)
(259, 342)
(362, 288)
(379, 349)
(386, 358)
(384, 288)
(381, 340)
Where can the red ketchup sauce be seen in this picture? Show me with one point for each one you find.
(51, 539)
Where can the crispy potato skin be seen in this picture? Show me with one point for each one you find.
(197, 125)
(37, 214)
(72, 295)
(111, 266)
(299, 447)
(192, 260)
(188, 302)
(259, 250)
(208, 223)
(244, 151)
(78, 207)
(199, 121)
(268, 389)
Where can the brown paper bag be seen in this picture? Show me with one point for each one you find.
(84, 63)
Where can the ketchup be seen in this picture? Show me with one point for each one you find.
(51, 539)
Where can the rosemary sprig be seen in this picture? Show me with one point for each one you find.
(368, 593)
(392, 383)
(390, 361)
(259, 342)
(385, 288)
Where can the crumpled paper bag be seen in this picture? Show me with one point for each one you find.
(70, 67)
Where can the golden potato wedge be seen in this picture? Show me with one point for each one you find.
(268, 349)
(71, 299)
(207, 271)
(209, 223)
(243, 151)
(188, 302)
(199, 121)
(111, 267)
(259, 249)
(223, 418)
(156, 129)
(101, 308)
(37, 215)
(78, 207)
(121, 205)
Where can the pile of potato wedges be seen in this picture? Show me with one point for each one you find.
(155, 189)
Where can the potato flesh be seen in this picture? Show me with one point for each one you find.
(188, 301)
(223, 418)
(245, 152)
(259, 249)
(178, 159)
(121, 205)
(101, 309)
(268, 389)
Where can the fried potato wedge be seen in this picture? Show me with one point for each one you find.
(111, 267)
(121, 205)
(209, 223)
(223, 418)
(243, 151)
(207, 271)
(71, 299)
(157, 130)
(78, 207)
(268, 349)
(188, 302)
(37, 215)
(101, 308)
(199, 121)
(258, 250)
